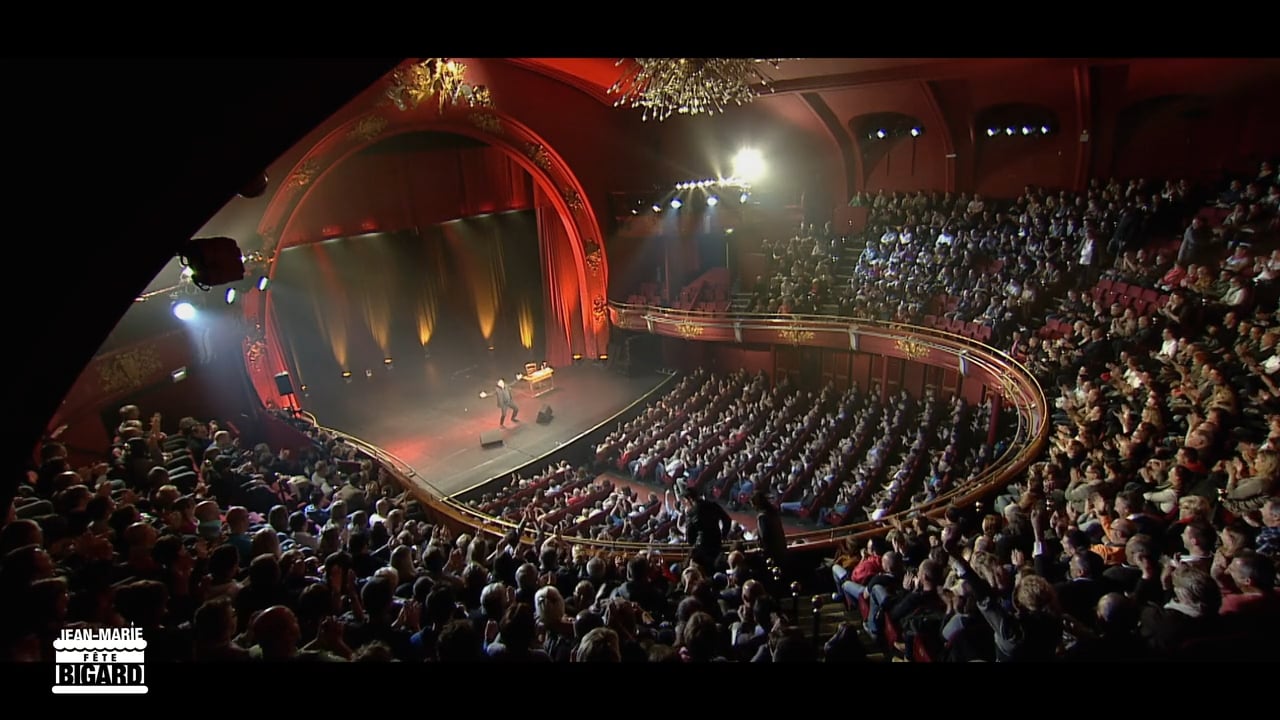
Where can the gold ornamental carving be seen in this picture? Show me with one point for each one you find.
(368, 128)
(486, 121)
(129, 370)
(538, 155)
(795, 336)
(572, 199)
(690, 330)
(256, 351)
(304, 175)
(594, 263)
(911, 348)
(599, 308)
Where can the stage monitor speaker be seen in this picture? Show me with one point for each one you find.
(490, 438)
(284, 384)
(545, 415)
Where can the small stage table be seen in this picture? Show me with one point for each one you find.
(541, 382)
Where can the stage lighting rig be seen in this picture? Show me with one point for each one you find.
(213, 261)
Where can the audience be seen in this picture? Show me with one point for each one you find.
(1149, 528)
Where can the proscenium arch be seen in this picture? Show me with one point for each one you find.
(547, 168)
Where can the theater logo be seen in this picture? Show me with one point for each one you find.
(100, 661)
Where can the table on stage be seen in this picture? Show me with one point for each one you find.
(541, 382)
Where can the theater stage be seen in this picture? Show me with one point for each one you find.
(431, 417)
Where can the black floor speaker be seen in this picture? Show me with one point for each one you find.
(491, 438)
(545, 415)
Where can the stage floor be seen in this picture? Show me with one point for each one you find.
(432, 419)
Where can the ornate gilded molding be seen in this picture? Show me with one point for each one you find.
(911, 348)
(486, 121)
(481, 97)
(368, 128)
(304, 175)
(572, 199)
(129, 370)
(690, 330)
(256, 350)
(600, 308)
(795, 336)
(538, 155)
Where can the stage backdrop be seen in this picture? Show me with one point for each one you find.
(452, 291)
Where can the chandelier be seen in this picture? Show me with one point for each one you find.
(662, 87)
(439, 77)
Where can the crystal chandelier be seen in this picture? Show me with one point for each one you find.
(440, 77)
(662, 87)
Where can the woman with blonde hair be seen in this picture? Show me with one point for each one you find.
(1249, 484)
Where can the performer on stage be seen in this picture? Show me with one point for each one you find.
(506, 402)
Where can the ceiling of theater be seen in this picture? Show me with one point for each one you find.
(815, 94)
(595, 75)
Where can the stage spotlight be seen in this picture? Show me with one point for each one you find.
(213, 261)
(743, 198)
(490, 348)
(577, 358)
(184, 311)
(676, 204)
(1044, 129)
(231, 296)
(386, 362)
(882, 134)
(263, 282)
(256, 186)
(1026, 129)
(915, 132)
(713, 201)
(368, 374)
(748, 165)
(991, 132)
(657, 208)
(604, 356)
(346, 375)
(1009, 131)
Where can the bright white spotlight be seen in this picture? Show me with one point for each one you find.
(743, 198)
(1044, 129)
(676, 204)
(713, 201)
(748, 165)
(657, 207)
(991, 132)
(184, 311)
(882, 134)
(1026, 129)
(1009, 131)
(915, 132)
(263, 282)
(231, 296)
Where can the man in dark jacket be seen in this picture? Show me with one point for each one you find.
(706, 525)
(773, 539)
(505, 403)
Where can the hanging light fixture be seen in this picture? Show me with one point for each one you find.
(662, 87)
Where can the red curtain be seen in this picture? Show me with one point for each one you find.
(563, 304)
(377, 191)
